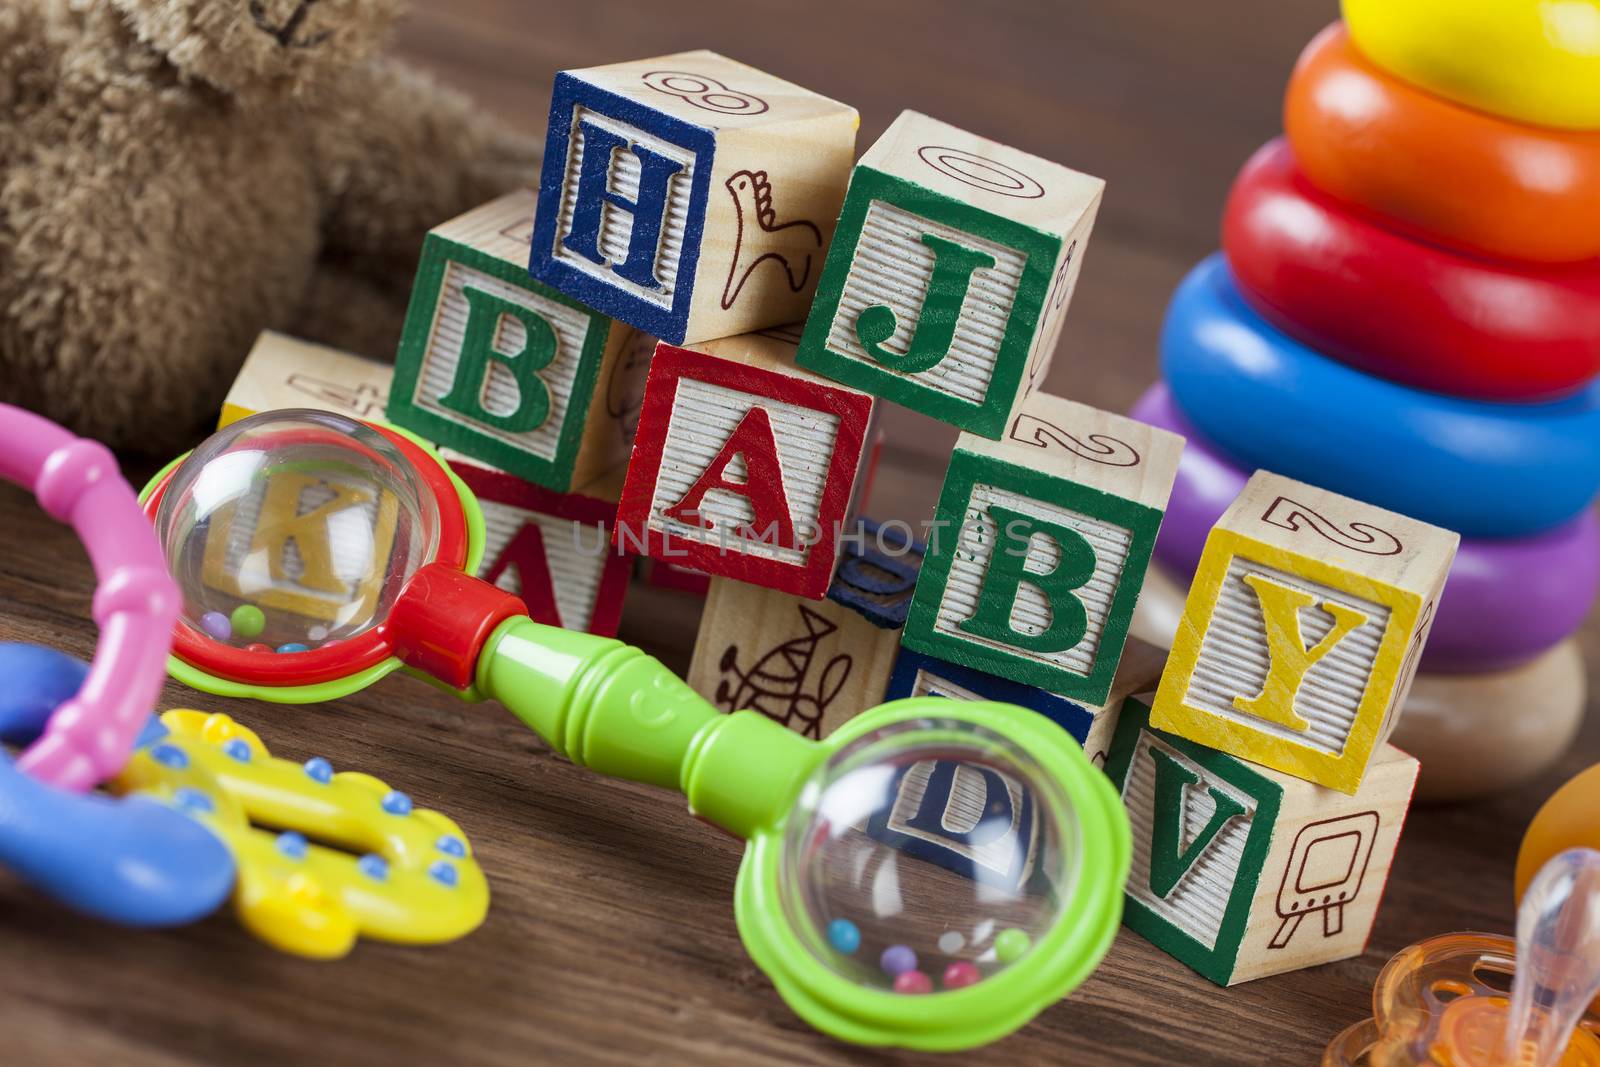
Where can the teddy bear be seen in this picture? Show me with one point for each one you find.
(178, 175)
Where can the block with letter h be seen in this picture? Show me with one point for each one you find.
(745, 467)
(1041, 544)
(950, 273)
(689, 195)
(507, 371)
(1242, 872)
(1302, 630)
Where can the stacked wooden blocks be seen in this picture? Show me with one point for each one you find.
(693, 199)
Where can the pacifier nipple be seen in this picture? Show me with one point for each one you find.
(1558, 966)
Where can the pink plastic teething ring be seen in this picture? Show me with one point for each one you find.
(136, 604)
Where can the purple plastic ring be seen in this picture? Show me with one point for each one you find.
(1506, 601)
(76, 481)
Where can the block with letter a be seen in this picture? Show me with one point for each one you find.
(1041, 543)
(689, 195)
(1302, 630)
(552, 549)
(507, 371)
(950, 274)
(1242, 872)
(745, 466)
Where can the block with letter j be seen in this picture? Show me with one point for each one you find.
(1040, 547)
(949, 277)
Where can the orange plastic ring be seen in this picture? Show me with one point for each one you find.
(1438, 170)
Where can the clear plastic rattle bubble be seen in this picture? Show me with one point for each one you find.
(932, 875)
(1443, 1001)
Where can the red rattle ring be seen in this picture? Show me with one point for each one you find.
(413, 573)
(1404, 309)
(76, 481)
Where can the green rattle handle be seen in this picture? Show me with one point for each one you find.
(610, 707)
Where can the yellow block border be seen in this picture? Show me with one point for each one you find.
(1342, 772)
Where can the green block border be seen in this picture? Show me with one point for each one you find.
(966, 469)
(1215, 964)
(556, 473)
(988, 418)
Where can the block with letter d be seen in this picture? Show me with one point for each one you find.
(507, 371)
(689, 195)
(1243, 872)
(1302, 630)
(949, 277)
(745, 466)
(1040, 545)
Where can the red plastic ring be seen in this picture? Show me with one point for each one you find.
(1404, 309)
(347, 657)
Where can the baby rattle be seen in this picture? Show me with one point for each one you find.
(931, 875)
(1441, 1001)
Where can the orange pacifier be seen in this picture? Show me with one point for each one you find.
(1478, 1000)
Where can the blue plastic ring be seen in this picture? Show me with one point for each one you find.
(1270, 402)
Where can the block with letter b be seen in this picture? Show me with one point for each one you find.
(1040, 545)
(745, 466)
(1302, 630)
(508, 371)
(689, 195)
(950, 273)
(1243, 872)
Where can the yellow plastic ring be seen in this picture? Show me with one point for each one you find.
(1535, 61)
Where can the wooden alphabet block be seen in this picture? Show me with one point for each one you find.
(1302, 630)
(1040, 544)
(510, 372)
(1091, 725)
(689, 195)
(745, 466)
(950, 273)
(810, 665)
(552, 549)
(285, 372)
(1242, 872)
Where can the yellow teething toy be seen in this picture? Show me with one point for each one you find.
(1534, 61)
(408, 875)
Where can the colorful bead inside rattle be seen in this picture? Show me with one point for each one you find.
(924, 864)
(293, 529)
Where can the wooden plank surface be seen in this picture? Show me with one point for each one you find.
(611, 936)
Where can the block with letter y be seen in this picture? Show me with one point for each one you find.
(1242, 872)
(745, 466)
(950, 273)
(1302, 631)
(1040, 546)
(507, 371)
(690, 196)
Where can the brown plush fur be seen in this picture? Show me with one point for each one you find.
(177, 175)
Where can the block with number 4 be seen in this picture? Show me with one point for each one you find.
(1301, 633)
(950, 273)
(689, 195)
(508, 371)
(1040, 546)
(745, 466)
(1242, 872)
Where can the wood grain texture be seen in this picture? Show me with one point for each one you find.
(610, 938)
